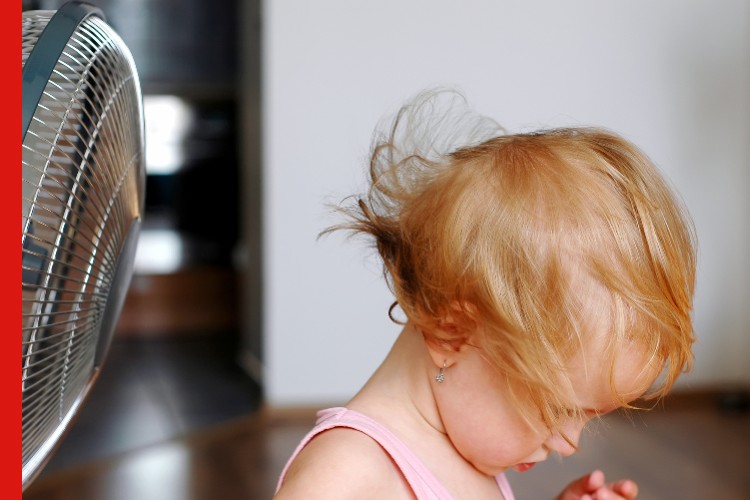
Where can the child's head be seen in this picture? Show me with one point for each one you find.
(532, 247)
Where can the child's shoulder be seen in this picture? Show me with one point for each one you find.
(343, 463)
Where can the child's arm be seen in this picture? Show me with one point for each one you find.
(594, 487)
(343, 464)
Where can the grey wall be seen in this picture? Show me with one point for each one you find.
(672, 76)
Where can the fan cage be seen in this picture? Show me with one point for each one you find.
(82, 196)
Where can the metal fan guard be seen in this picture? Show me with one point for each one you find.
(83, 199)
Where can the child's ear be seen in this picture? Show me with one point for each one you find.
(442, 353)
(455, 327)
(444, 349)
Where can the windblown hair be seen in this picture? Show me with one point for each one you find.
(494, 230)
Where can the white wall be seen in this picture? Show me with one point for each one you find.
(673, 76)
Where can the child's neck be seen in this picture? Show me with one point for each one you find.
(400, 396)
(399, 393)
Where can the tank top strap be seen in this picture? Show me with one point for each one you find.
(421, 480)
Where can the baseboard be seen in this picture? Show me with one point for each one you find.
(734, 398)
(725, 398)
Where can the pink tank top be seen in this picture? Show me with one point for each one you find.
(422, 482)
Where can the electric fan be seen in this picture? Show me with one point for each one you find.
(83, 199)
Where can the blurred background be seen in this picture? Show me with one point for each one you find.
(240, 322)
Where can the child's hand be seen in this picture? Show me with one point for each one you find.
(593, 487)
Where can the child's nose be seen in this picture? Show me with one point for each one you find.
(567, 445)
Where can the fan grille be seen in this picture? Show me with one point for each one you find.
(83, 178)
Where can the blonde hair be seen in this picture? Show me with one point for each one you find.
(487, 228)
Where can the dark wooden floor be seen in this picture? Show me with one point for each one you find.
(692, 449)
(153, 390)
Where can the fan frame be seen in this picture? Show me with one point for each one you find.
(37, 71)
(45, 54)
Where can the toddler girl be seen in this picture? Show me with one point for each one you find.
(546, 278)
